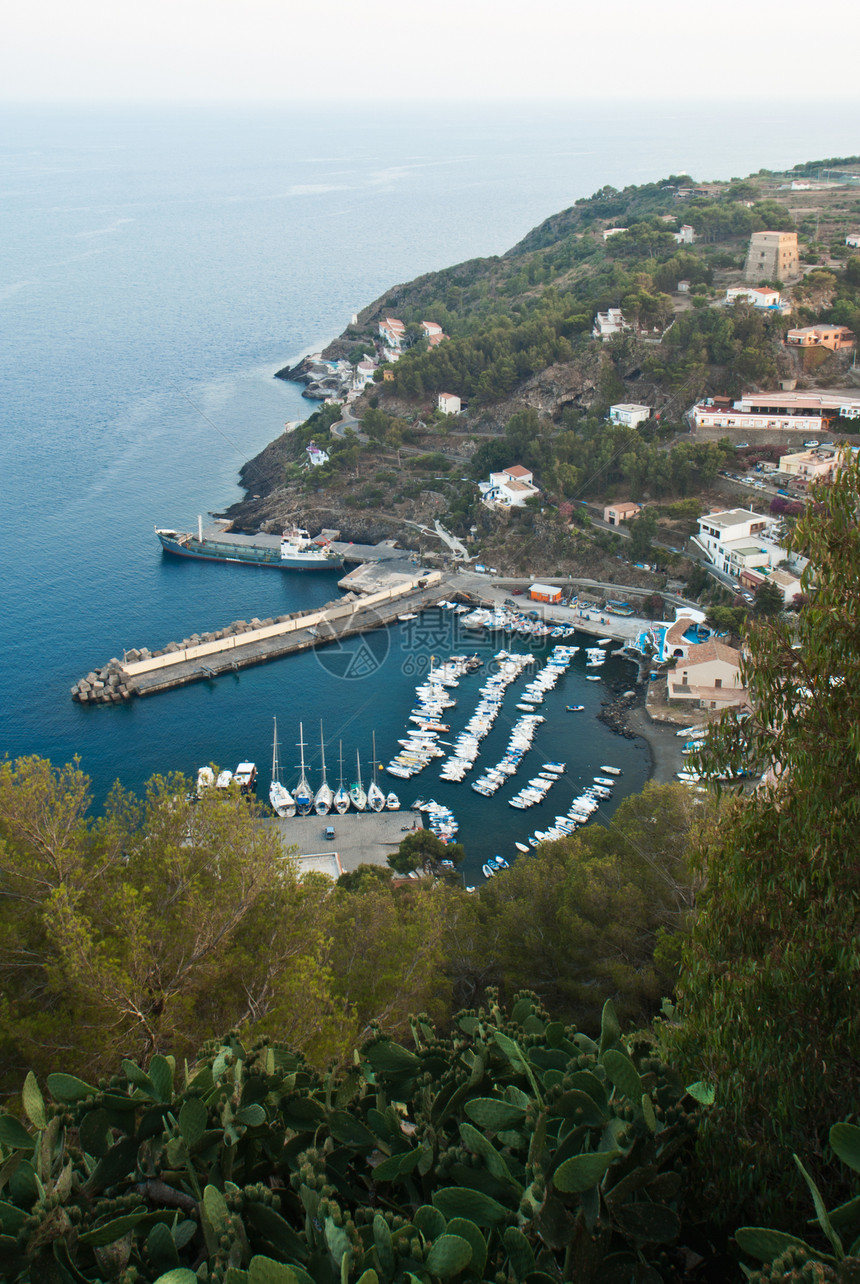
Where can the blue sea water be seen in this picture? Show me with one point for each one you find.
(156, 267)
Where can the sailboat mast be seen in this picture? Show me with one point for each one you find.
(322, 752)
(276, 770)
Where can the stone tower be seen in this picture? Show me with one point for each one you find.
(772, 256)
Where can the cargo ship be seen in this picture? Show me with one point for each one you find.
(297, 551)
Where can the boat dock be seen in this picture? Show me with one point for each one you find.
(244, 643)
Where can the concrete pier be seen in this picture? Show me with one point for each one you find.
(245, 643)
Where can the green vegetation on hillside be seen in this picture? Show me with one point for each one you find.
(769, 979)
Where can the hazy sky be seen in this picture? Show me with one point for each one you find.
(423, 49)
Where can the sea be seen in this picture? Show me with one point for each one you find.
(157, 266)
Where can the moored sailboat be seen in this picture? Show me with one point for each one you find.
(283, 803)
(375, 796)
(303, 796)
(324, 797)
(357, 796)
(341, 798)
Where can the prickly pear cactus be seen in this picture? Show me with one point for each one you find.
(513, 1149)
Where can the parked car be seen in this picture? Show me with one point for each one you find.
(810, 445)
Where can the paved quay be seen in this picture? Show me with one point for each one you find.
(360, 838)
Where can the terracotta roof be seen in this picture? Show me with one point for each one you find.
(517, 470)
(705, 652)
(518, 486)
(627, 507)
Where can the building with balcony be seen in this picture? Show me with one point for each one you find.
(608, 323)
(808, 412)
(834, 337)
(629, 413)
(509, 488)
(709, 675)
(737, 538)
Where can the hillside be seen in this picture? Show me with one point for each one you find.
(536, 386)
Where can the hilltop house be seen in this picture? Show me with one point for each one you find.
(686, 235)
(788, 582)
(710, 674)
(364, 372)
(834, 337)
(433, 333)
(509, 488)
(737, 539)
(448, 403)
(612, 231)
(608, 323)
(391, 332)
(759, 297)
(316, 455)
(807, 466)
(806, 411)
(629, 413)
(615, 514)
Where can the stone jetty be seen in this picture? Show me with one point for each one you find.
(204, 656)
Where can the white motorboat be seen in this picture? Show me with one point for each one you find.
(303, 796)
(611, 771)
(283, 803)
(225, 779)
(521, 847)
(341, 798)
(392, 802)
(245, 776)
(205, 780)
(324, 796)
(375, 796)
(357, 796)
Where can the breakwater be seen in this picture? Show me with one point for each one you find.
(244, 643)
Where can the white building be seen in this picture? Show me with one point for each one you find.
(448, 403)
(808, 412)
(316, 455)
(432, 330)
(364, 372)
(629, 413)
(391, 332)
(509, 488)
(758, 297)
(853, 239)
(686, 235)
(613, 231)
(737, 539)
(608, 323)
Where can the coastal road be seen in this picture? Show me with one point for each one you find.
(348, 423)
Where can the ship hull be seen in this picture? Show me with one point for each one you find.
(216, 551)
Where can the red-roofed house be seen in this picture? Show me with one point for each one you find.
(391, 332)
(710, 674)
(509, 488)
(448, 403)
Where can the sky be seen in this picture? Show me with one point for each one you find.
(402, 50)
